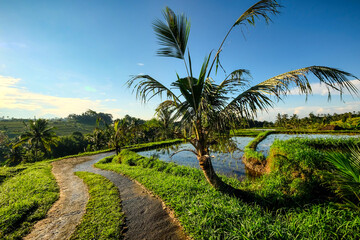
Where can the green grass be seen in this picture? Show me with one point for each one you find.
(209, 214)
(103, 218)
(9, 172)
(250, 149)
(246, 132)
(25, 198)
(27, 192)
(153, 145)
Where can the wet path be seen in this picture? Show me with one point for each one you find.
(145, 216)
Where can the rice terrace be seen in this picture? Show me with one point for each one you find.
(176, 120)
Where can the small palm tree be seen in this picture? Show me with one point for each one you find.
(205, 107)
(346, 176)
(39, 136)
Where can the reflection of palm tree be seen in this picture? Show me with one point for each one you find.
(205, 107)
(39, 136)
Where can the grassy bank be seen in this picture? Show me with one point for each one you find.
(26, 195)
(250, 149)
(298, 166)
(209, 214)
(103, 218)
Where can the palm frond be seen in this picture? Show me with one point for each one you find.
(249, 102)
(261, 9)
(173, 34)
(332, 78)
(147, 87)
(346, 176)
(234, 81)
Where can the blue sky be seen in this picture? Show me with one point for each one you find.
(63, 57)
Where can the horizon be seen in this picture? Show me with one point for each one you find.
(62, 58)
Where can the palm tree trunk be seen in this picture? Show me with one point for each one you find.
(216, 182)
(209, 172)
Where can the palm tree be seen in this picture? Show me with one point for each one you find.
(166, 119)
(119, 134)
(345, 177)
(205, 107)
(39, 136)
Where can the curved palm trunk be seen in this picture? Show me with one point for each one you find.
(209, 172)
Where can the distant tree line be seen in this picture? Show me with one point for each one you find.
(349, 120)
(91, 117)
(39, 141)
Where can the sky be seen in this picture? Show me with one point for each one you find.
(63, 57)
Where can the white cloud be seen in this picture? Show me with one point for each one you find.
(321, 89)
(15, 98)
(140, 64)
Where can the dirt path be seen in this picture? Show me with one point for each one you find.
(67, 212)
(145, 216)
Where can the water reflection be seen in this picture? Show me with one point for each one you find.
(229, 164)
(264, 146)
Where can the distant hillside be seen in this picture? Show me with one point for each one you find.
(63, 127)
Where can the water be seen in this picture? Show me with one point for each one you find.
(264, 146)
(224, 163)
(227, 163)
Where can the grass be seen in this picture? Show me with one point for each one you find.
(153, 145)
(25, 198)
(250, 149)
(209, 214)
(103, 218)
(27, 192)
(6, 173)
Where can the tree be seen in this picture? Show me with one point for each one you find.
(39, 136)
(166, 119)
(120, 134)
(207, 109)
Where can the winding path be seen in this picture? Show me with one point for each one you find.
(146, 216)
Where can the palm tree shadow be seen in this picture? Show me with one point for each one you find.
(274, 202)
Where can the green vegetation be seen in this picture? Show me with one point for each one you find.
(209, 214)
(63, 127)
(33, 143)
(346, 176)
(103, 218)
(344, 121)
(153, 145)
(250, 149)
(26, 195)
(8, 172)
(27, 192)
(207, 110)
(299, 168)
(38, 139)
(246, 132)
